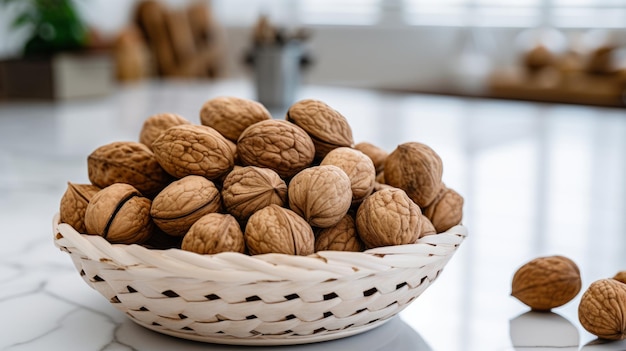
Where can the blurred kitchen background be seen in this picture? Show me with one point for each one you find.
(571, 51)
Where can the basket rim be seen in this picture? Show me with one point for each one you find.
(321, 265)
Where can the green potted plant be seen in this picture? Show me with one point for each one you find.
(55, 61)
(54, 26)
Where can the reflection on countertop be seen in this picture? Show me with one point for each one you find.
(538, 179)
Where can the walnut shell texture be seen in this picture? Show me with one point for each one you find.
(602, 309)
(340, 237)
(328, 128)
(375, 153)
(446, 211)
(74, 204)
(214, 233)
(127, 162)
(193, 150)
(359, 168)
(426, 227)
(417, 169)
(231, 115)
(248, 189)
(177, 207)
(546, 282)
(278, 145)
(274, 229)
(388, 217)
(119, 214)
(155, 125)
(321, 195)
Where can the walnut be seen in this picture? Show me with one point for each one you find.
(326, 126)
(620, 276)
(380, 177)
(321, 195)
(120, 214)
(376, 154)
(193, 150)
(278, 145)
(214, 233)
(154, 125)
(74, 203)
(446, 211)
(278, 230)
(602, 309)
(380, 186)
(127, 162)
(340, 237)
(388, 217)
(426, 227)
(231, 115)
(248, 189)
(416, 169)
(546, 282)
(359, 168)
(183, 202)
(160, 240)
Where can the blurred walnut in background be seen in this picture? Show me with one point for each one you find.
(167, 42)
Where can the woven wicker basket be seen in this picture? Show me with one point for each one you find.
(269, 299)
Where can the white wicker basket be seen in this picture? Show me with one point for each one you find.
(269, 299)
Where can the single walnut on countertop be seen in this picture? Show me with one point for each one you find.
(321, 195)
(279, 145)
(214, 233)
(275, 229)
(546, 282)
(127, 162)
(177, 207)
(388, 217)
(155, 125)
(328, 128)
(231, 115)
(74, 203)
(340, 237)
(248, 189)
(602, 309)
(416, 169)
(359, 168)
(119, 214)
(194, 150)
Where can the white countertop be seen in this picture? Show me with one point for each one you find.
(538, 179)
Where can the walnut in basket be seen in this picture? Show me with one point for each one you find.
(417, 169)
(328, 128)
(274, 229)
(127, 162)
(74, 204)
(214, 233)
(375, 153)
(340, 237)
(279, 145)
(177, 207)
(388, 217)
(194, 150)
(156, 124)
(231, 115)
(321, 195)
(120, 214)
(248, 189)
(359, 168)
(446, 211)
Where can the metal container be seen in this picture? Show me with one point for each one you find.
(277, 74)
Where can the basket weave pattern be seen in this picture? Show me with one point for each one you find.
(231, 298)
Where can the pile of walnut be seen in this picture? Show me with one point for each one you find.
(244, 182)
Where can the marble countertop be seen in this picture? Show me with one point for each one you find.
(538, 179)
